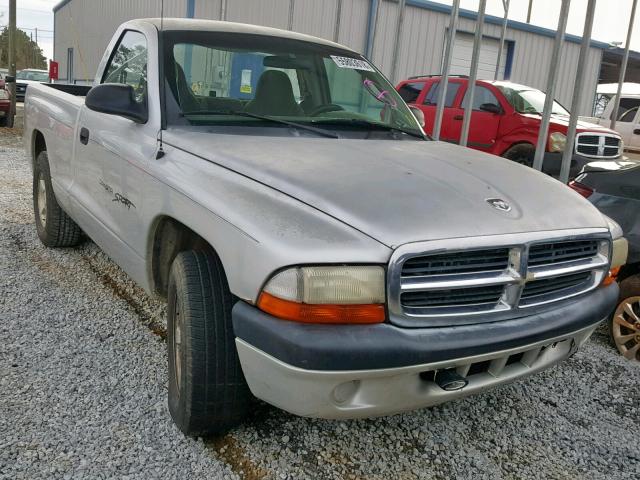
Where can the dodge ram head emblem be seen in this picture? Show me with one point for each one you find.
(499, 204)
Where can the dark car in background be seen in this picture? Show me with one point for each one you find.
(26, 77)
(614, 187)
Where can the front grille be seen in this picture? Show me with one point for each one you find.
(550, 253)
(451, 285)
(598, 146)
(455, 263)
(454, 297)
(555, 285)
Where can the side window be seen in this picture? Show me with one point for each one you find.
(434, 92)
(627, 104)
(128, 65)
(411, 91)
(480, 96)
(629, 115)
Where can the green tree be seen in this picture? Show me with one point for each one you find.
(28, 53)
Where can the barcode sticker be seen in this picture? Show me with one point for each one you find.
(352, 63)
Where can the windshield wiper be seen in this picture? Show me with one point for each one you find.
(318, 131)
(366, 123)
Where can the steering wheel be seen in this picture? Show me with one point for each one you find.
(330, 107)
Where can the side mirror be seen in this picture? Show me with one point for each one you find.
(117, 99)
(491, 108)
(419, 114)
(9, 79)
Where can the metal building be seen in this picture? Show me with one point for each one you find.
(84, 27)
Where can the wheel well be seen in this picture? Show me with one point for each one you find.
(39, 144)
(171, 237)
(629, 270)
(519, 144)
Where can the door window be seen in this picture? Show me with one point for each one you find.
(481, 95)
(629, 115)
(128, 64)
(411, 91)
(434, 92)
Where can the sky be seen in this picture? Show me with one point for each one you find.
(610, 25)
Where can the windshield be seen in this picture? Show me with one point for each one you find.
(218, 79)
(529, 100)
(31, 75)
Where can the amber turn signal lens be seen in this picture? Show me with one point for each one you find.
(312, 313)
(611, 277)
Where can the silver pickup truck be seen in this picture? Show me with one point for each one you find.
(315, 249)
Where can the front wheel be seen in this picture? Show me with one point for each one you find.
(625, 323)
(522, 153)
(208, 394)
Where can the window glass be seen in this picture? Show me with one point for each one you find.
(434, 92)
(528, 100)
(629, 115)
(480, 95)
(129, 64)
(411, 91)
(227, 79)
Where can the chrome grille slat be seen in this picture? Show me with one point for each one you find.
(533, 272)
(601, 145)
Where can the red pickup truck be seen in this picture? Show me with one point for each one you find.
(506, 119)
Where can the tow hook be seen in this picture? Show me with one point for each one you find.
(449, 380)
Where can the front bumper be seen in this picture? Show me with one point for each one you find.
(350, 371)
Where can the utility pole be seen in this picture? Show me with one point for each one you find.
(12, 61)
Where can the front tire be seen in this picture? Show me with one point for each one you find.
(522, 153)
(625, 322)
(55, 228)
(208, 394)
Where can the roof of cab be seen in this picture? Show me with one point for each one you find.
(168, 24)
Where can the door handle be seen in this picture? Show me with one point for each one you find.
(84, 135)
(458, 117)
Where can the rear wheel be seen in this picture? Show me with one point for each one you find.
(208, 394)
(625, 324)
(55, 228)
(522, 153)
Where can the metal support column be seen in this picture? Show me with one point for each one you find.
(623, 67)
(503, 32)
(396, 47)
(371, 28)
(292, 6)
(577, 92)
(471, 85)
(12, 61)
(444, 79)
(336, 30)
(223, 10)
(551, 83)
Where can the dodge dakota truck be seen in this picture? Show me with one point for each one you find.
(315, 248)
(505, 121)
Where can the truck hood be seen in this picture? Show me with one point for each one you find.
(582, 126)
(398, 191)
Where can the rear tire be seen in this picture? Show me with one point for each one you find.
(208, 394)
(55, 228)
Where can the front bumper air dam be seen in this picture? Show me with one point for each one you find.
(345, 371)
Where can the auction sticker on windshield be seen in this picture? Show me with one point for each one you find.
(353, 63)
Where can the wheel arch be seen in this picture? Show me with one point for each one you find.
(168, 238)
(520, 143)
(38, 145)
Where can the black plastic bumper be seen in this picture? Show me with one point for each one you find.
(358, 347)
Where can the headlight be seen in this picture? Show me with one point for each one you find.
(557, 142)
(614, 228)
(340, 294)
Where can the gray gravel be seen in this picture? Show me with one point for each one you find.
(83, 393)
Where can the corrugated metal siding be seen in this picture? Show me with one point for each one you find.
(87, 26)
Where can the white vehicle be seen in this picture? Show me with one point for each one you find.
(27, 77)
(628, 121)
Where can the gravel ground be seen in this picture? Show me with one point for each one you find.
(83, 393)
